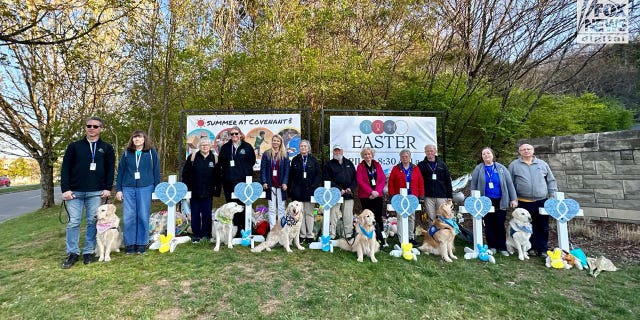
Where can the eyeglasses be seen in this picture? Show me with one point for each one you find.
(234, 133)
(90, 126)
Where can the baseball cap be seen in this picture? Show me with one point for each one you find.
(337, 146)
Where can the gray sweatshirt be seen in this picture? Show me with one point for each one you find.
(533, 182)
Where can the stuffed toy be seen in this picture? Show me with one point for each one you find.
(571, 260)
(391, 226)
(407, 252)
(484, 254)
(554, 260)
(259, 221)
(165, 243)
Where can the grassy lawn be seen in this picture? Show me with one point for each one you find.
(196, 283)
(12, 189)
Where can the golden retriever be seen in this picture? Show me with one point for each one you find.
(439, 238)
(519, 233)
(285, 231)
(223, 228)
(109, 237)
(365, 242)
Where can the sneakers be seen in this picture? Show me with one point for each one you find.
(72, 258)
(413, 242)
(504, 253)
(88, 258)
(130, 249)
(543, 255)
(140, 249)
(195, 240)
(493, 250)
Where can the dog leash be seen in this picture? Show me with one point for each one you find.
(63, 207)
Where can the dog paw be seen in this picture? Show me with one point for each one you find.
(301, 247)
(230, 246)
(447, 259)
(107, 259)
(360, 260)
(216, 249)
(268, 249)
(374, 260)
(101, 259)
(454, 257)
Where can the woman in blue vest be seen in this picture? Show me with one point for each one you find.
(138, 175)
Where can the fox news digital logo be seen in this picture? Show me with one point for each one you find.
(603, 21)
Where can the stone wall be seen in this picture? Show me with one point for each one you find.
(599, 170)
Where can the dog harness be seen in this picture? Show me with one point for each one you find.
(524, 229)
(287, 220)
(102, 227)
(450, 222)
(366, 234)
(223, 219)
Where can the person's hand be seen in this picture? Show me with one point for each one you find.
(284, 187)
(375, 194)
(265, 186)
(68, 195)
(348, 190)
(119, 195)
(105, 193)
(514, 203)
(342, 191)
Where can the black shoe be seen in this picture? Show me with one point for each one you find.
(72, 258)
(413, 242)
(88, 258)
(130, 249)
(542, 254)
(140, 249)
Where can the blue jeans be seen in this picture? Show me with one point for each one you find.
(90, 201)
(136, 209)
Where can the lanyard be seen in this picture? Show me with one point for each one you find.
(138, 156)
(93, 146)
(233, 151)
(274, 164)
(434, 168)
(489, 171)
(407, 172)
(371, 170)
(304, 163)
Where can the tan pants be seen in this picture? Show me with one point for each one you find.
(431, 206)
(306, 229)
(347, 218)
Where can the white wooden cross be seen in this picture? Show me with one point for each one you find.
(171, 193)
(562, 210)
(472, 253)
(411, 253)
(326, 218)
(248, 200)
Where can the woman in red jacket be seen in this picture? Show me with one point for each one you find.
(407, 175)
(371, 180)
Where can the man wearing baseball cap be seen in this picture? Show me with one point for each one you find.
(342, 174)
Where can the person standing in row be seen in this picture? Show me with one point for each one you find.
(305, 176)
(342, 174)
(274, 177)
(493, 180)
(201, 174)
(437, 181)
(86, 176)
(237, 159)
(534, 183)
(407, 175)
(138, 175)
(371, 181)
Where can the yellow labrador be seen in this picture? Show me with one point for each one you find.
(365, 242)
(285, 231)
(109, 237)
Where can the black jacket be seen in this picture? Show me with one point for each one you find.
(441, 187)
(244, 158)
(302, 189)
(75, 174)
(202, 176)
(342, 176)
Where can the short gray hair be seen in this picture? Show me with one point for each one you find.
(431, 146)
(307, 142)
(203, 141)
(405, 151)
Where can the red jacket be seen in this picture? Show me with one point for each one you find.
(398, 180)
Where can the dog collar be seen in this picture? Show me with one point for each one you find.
(452, 223)
(224, 220)
(366, 234)
(526, 229)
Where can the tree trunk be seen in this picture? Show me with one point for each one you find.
(46, 182)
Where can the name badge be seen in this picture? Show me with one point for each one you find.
(136, 175)
(490, 185)
(275, 173)
(408, 184)
(232, 163)
(92, 166)
(373, 182)
(210, 164)
(304, 175)
(433, 177)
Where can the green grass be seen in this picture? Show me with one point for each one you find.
(12, 189)
(195, 283)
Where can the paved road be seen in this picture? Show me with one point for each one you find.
(18, 203)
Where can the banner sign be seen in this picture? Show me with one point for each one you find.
(603, 21)
(258, 130)
(386, 135)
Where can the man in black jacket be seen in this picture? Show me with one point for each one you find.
(86, 177)
(342, 174)
(437, 181)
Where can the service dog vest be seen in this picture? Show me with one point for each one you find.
(450, 222)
